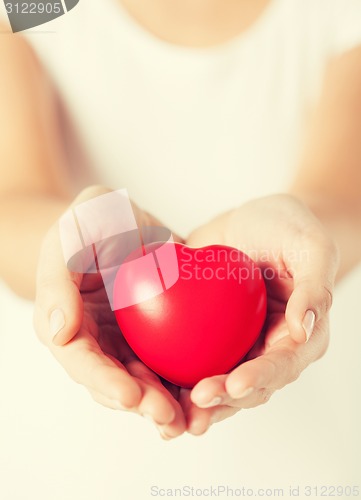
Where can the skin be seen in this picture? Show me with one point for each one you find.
(299, 284)
(319, 215)
(200, 23)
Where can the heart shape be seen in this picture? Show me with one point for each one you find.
(200, 326)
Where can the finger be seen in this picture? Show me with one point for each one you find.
(222, 413)
(87, 365)
(314, 277)
(176, 427)
(157, 403)
(255, 398)
(58, 311)
(226, 405)
(245, 386)
(280, 366)
(164, 411)
(112, 404)
(210, 392)
(198, 420)
(58, 306)
(167, 431)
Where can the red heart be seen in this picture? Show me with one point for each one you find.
(201, 326)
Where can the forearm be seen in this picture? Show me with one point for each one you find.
(342, 218)
(24, 221)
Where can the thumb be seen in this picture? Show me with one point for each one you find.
(58, 312)
(313, 278)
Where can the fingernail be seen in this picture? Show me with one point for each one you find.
(309, 323)
(57, 323)
(245, 393)
(214, 402)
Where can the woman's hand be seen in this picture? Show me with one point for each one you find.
(299, 263)
(74, 319)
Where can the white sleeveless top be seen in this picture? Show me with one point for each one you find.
(189, 133)
(193, 132)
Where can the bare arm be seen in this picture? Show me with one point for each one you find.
(329, 183)
(34, 192)
(329, 178)
(34, 189)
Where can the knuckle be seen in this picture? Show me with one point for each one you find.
(264, 396)
(270, 364)
(291, 365)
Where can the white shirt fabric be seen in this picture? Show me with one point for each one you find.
(189, 133)
(193, 132)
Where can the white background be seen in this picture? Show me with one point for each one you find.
(56, 443)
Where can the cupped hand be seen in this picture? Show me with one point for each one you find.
(73, 318)
(299, 262)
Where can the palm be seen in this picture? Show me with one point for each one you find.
(101, 329)
(93, 351)
(272, 232)
(279, 289)
(114, 375)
